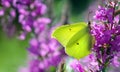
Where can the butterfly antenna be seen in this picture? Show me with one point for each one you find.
(89, 22)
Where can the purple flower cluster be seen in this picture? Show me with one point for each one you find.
(88, 64)
(44, 53)
(104, 14)
(106, 31)
(32, 19)
(7, 16)
(47, 51)
(29, 17)
(77, 66)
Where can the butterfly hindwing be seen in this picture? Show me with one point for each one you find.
(80, 46)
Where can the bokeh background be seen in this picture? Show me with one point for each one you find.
(14, 52)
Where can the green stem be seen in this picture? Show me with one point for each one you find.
(104, 69)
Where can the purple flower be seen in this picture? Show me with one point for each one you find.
(6, 3)
(115, 61)
(104, 14)
(22, 36)
(46, 49)
(29, 14)
(106, 31)
(77, 66)
(1, 12)
(34, 66)
(13, 13)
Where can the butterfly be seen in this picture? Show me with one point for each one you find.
(76, 39)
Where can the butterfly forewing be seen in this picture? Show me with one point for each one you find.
(64, 33)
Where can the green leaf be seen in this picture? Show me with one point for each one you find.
(75, 38)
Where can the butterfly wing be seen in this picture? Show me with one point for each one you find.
(75, 39)
(80, 44)
(64, 33)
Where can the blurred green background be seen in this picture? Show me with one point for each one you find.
(13, 53)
